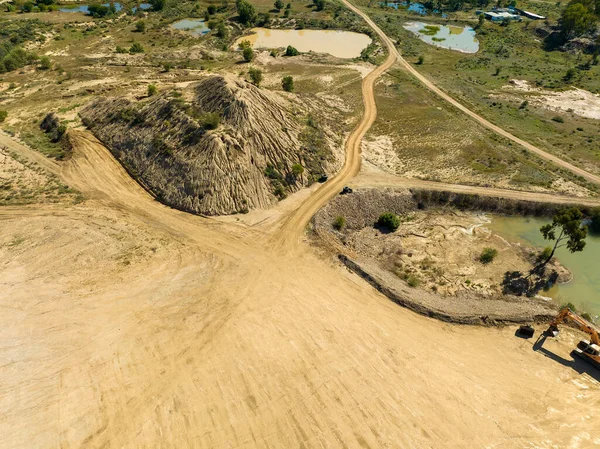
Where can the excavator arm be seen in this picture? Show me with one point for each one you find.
(567, 315)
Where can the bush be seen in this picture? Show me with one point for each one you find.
(255, 76)
(221, 30)
(558, 119)
(136, 48)
(211, 120)
(212, 9)
(246, 12)
(339, 223)
(389, 221)
(488, 255)
(319, 4)
(3, 115)
(278, 5)
(413, 281)
(45, 63)
(157, 5)
(421, 60)
(120, 49)
(248, 54)
(140, 26)
(544, 254)
(152, 90)
(291, 51)
(297, 170)
(167, 66)
(595, 223)
(287, 82)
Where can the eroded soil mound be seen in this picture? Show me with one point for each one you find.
(222, 146)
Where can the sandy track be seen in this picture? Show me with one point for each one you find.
(125, 324)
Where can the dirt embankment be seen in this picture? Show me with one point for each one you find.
(431, 263)
(222, 146)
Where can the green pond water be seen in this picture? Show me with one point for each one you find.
(584, 290)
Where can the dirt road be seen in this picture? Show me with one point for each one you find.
(444, 96)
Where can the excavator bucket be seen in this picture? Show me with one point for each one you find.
(526, 331)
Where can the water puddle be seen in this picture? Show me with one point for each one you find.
(446, 36)
(195, 27)
(584, 290)
(341, 44)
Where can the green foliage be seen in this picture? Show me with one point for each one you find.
(287, 83)
(389, 221)
(488, 255)
(140, 26)
(99, 11)
(12, 35)
(413, 281)
(157, 5)
(278, 5)
(210, 120)
(3, 115)
(297, 170)
(544, 254)
(45, 63)
(571, 232)
(256, 76)
(152, 90)
(421, 60)
(244, 44)
(558, 119)
(578, 18)
(167, 66)
(136, 47)
(246, 12)
(211, 10)
(570, 74)
(120, 49)
(319, 4)
(291, 51)
(339, 223)
(248, 54)
(221, 31)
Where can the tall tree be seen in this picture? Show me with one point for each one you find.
(567, 230)
(246, 12)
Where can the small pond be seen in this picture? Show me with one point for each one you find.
(342, 44)
(85, 8)
(584, 290)
(446, 36)
(196, 27)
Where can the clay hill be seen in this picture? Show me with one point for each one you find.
(221, 146)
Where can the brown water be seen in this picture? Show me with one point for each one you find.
(342, 44)
(584, 290)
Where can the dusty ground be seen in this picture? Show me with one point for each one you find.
(144, 326)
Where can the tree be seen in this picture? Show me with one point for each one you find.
(389, 221)
(45, 63)
(319, 4)
(287, 82)
(278, 5)
(595, 223)
(571, 233)
(291, 51)
(255, 76)
(248, 54)
(576, 20)
(212, 9)
(246, 12)
(27, 7)
(152, 90)
(421, 60)
(98, 11)
(221, 30)
(157, 5)
(140, 26)
(3, 115)
(481, 21)
(136, 47)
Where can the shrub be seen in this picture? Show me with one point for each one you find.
(287, 82)
(3, 115)
(421, 60)
(488, 255)
(558, 119)
(248, 54)
(413, 281)
(152, 90)
(389, 221)
(595, 223)
(291, 51)
(221, 30)
(319, 4)
(297, 170)
(255, 76)
(167, 66)
(211, 120)
(120, 49)
(157, 5)
(140, 26)
(570, 74)
(278, 5)
(136, 48)
(45, 63)
(246, 12)
(339, 223)
(212, 9)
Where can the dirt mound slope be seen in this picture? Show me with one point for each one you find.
(222, 146)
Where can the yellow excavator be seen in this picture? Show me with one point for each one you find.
(588, 350)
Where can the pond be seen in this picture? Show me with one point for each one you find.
(584, 290)
(446, 36)
(342, 44)
(85, 8)
(196, 27)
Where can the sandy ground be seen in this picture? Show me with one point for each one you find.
(127, 324)
(577, 101)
